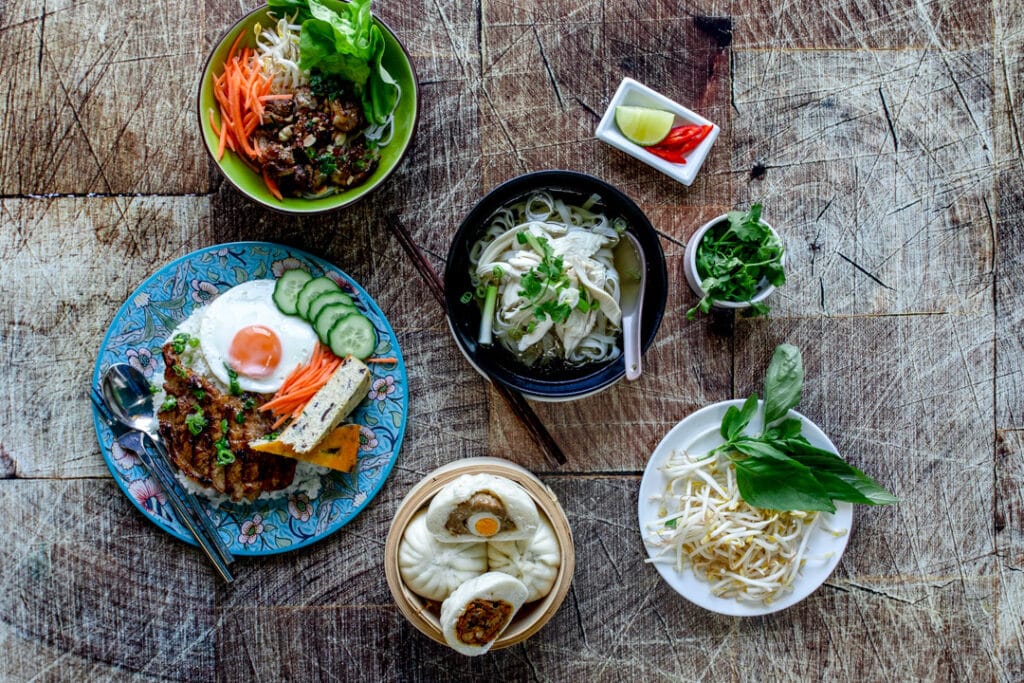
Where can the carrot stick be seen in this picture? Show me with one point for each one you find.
(231, 52)
(381, 360)
(301, 385)
(272, 186)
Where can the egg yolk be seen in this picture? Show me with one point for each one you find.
(255, 351)
(487, 526)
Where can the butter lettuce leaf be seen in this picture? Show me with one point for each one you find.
(340, 39)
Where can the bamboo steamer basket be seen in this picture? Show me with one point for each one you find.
(423, 613)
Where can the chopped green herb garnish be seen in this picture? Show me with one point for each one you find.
(178, 370)
(170, 403)
(193, 342)
(240, 418)
(249, 403)
(195, 422)
(466, 297)
(498, 272)
(327, 163)
(153, 388)
(734, 257)
(199, 394)
(233, 381)
(671, 524)
(272, 435)
(179, 341)
(225, 456)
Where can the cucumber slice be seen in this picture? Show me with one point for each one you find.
(354, 336)
(286, 291)
(325, 300)
(329, 316)
(312, 290)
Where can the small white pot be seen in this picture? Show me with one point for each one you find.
(690, 268)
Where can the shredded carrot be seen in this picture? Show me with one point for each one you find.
(380, 360)
(241, 91)
(234, 45)
(301, 385)
(271, 185)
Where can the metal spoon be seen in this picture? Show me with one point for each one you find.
(632, 268)
(128, 396)
(126, 391)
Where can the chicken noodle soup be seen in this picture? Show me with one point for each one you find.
(545, 276)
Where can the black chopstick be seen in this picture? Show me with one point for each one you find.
(516, 403)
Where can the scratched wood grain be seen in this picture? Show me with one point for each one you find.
(1009, 215)
(68, 265)
(103, 96)
(91, 589)
(1009, 528)
(656, 634)
(949, 24)
(872, 384)
(885, 142)
(884, 207)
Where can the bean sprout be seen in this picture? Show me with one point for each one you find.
(278, 48)
(744, 552)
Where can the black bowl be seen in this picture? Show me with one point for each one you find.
(494, 361)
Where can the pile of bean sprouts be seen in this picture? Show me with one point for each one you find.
(278, 50)
(745, 553)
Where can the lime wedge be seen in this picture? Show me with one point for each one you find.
(644, 126)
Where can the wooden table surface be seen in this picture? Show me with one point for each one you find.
(885, 141)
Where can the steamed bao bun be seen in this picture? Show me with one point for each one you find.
(534, 562)
(433, 570)
(482, 506)
(479, 610)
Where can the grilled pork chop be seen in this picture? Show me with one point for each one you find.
(252, 472)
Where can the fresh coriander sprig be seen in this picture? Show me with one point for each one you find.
(779, 469)
(733, 257)
(547, 276)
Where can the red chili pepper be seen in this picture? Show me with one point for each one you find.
(668, 155)
(679, 134)
(680, 141)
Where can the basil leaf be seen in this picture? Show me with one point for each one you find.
(774, 484)
(783, 383)
(736, 419)
(842, 480)
(759, 448)
(788, 428)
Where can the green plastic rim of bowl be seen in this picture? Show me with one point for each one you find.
(249, 183)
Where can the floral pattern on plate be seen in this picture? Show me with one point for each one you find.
(269, 526)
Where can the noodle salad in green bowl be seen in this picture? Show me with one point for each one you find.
(308, 105)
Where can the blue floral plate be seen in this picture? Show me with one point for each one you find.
(263, 527)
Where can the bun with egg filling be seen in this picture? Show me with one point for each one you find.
(482, 507)
(479, 610)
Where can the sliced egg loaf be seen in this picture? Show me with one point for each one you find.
(336, 399)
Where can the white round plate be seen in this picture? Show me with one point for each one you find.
(698, 434)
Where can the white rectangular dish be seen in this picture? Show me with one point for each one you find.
(635, 94)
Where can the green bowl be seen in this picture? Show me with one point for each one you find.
(398, 64)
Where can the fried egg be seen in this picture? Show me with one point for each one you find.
(243, 330)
